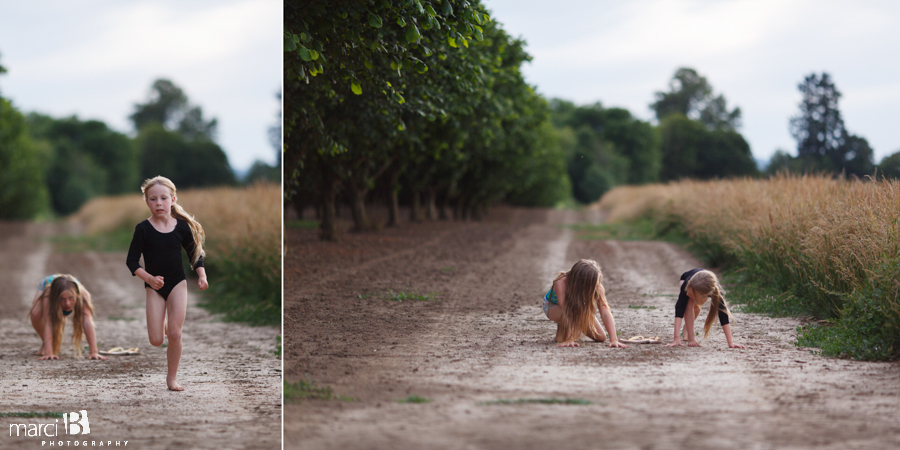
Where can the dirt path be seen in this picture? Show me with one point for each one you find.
(485, 339)
(232, 380)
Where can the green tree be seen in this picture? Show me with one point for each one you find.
(23, 192)
(823, 142)
(691, 150)
(890, 166)
(691, 95)
(174, 140)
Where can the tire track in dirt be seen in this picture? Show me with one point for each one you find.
(770, 395)
(233, 396)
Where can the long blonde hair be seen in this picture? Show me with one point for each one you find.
(584, 295)
(705, 285)
(62, 283)
(179, 213)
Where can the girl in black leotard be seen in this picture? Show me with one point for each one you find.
(697, 286)
(160, 239)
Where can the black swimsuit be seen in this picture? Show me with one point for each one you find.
(681, 304)
(162, 254)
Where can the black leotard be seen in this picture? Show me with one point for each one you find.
(162, 254)
(681, 304)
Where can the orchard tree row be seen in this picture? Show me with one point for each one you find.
(416, 100)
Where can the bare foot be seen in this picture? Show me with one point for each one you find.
(693, 344)
(174, 386)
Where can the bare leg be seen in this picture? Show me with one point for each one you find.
(599, 336)
(37, 321)
(156, 317)
(176, 309)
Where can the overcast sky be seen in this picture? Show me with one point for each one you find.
(97, 58)
(755, 52)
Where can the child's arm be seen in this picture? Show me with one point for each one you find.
(677, 339)
(727, 329)
(89, 332)
(610, 324)
(608, 321)
(48, 328)
(202, 282)
(155, 282)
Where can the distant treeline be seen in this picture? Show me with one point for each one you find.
(424, 104)
(51, 166)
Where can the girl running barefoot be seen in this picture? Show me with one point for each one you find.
(571, 303)
(58, 297)
(158, 239)
(698, 285)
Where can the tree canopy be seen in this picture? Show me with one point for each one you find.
(691, 95)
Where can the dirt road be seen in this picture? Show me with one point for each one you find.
(232, 380)
(481, 338)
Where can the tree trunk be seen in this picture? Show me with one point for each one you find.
(298, 204)
(415, 210)
(328, 227)
(360, 219)
(393, 209)
(431, 209)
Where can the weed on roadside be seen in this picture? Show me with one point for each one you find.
(307, 389)
(277, 351)
(414, 399)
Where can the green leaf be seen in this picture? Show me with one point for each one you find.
(314, 55)
(477, 18)
(452, 42)
(401, 22)
(419, 7)
(304, 54)
(431, 12)
(375, 21)
(447, 9)
(289, 44)
(394, 65)
(427, 51)
(356, 88)
(399, 98)
(487, 18)
(305, 37)
(421, 67)
(478, 35)
(412, 34)
(368, 64)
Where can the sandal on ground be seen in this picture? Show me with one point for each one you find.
(641, 340)
(121, 351)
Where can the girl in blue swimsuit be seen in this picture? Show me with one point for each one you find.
(160, 240)
(58, 297)
(571, 302)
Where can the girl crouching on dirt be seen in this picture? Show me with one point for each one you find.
(698, 285)
(570, 303)
(58, 297)
(158, 239)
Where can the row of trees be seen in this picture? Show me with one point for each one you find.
(416, 100)
(696, 138)
(54, 165)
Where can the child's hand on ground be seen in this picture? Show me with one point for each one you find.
(616, 344)
(676, 342)
(98, 356)
(736, 346)
(48, 357)
(202, 283)
(693, 343)
(569, 344)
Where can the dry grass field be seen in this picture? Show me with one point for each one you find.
(825, 247)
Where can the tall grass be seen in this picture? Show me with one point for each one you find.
(243, 243)
(808, 245)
